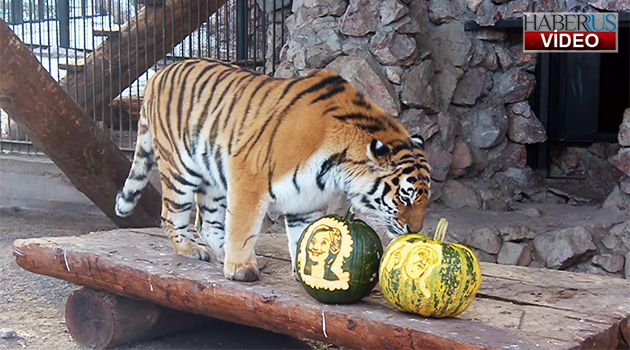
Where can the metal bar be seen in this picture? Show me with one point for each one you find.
(173, 43)
(127, 43)
(77, 47)
(199, 31)
(16, 13)
(50, 58)
(209, 33)
(217, 37)
(227, 31)
(41, 10)
(254, 45)
(164, 44)
(63, 14)
(273, 40)
(190, 36)
(275, 48)
(94, 6)
(265, 31)
(30, 21)
(131, 123)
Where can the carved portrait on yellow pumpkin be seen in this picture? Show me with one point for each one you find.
(322, 252)
(415, 262)
(420, 262)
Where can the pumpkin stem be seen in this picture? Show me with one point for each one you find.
(440, 231)
(349, 214)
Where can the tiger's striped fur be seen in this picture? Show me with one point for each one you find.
(238, 144)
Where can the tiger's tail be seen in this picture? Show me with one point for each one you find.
(143, 161)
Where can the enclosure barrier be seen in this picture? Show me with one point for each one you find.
(103, 51)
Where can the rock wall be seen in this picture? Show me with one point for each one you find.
(620, 196)
(598, 249)
(465, 91)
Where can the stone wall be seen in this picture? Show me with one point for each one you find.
(464, 90)
(599, 249)
(620, 196)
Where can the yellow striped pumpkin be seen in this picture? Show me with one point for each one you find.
(427, 276)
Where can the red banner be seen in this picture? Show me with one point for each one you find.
(573, 41)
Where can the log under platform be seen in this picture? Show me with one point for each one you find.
(516, 307)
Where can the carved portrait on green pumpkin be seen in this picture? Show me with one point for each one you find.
(322, 254)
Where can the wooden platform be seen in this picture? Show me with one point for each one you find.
(516, 308)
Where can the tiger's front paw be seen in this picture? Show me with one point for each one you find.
(193, 251)
(246, 272)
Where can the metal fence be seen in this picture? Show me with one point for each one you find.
(67, 36)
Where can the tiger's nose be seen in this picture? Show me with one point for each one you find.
(413, 228)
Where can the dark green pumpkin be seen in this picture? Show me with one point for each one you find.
(338, 258)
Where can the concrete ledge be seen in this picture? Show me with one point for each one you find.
(35, 182)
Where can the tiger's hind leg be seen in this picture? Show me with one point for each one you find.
(210, 219)
(177, 203)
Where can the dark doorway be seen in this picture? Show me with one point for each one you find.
(580, 97)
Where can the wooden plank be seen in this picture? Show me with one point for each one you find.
(597, 306)
(72, 65)
(125, 112)
(111, 31)
(121, 59)
(576, 292)
(497, 318)
(57, 125)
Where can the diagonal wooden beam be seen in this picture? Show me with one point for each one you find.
(121, 59)
(60, 127)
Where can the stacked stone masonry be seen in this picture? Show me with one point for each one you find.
(598, 249)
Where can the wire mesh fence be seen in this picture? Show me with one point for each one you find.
(104, 51)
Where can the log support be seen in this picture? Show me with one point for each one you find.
(100, 320)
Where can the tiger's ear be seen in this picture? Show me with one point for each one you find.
(418, 140)
(377, 149)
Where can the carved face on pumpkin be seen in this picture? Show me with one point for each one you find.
(324, 240)
(419, 261)
(326, 246)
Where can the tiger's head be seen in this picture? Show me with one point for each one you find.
(387, 172)
(395, 186)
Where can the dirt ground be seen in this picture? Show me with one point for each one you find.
(33, 305)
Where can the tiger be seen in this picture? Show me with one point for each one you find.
(236, 144)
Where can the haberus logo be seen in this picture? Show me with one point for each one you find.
(570, 32)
